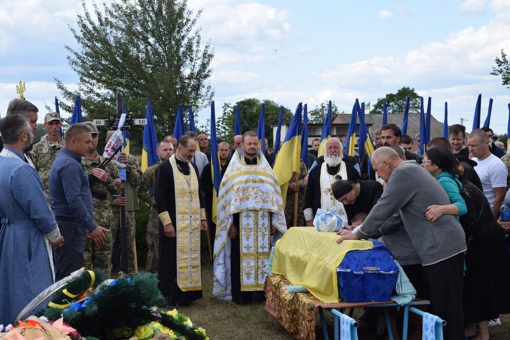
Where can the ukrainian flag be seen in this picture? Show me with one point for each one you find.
(351, 131)
(364, 141)
(489, 112)
(326, 131)
(261, 132)
(77, 115)
(215, 165)
(179, 124)
(367, 107)
(289, 154)
(150, 140)
(278, 137)
(125, 133)
(304, 138)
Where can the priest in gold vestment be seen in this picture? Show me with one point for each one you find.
(182, 217)
(250, 219)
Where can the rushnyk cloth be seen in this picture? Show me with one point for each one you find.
(309, 258)
(253, 192)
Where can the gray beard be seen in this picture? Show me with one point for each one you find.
(332, 161)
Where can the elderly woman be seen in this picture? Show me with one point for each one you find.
(487, 275)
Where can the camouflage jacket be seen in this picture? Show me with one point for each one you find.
(506, 160)
(143, 190)
(43, 154)
(102, 208)
(289, 204)
(134, 178)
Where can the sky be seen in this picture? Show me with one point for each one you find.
(298, 51)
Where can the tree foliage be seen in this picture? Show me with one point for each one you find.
(317, 115)
(148, 50)
(502, 68)
(396, 102)
(250, 112)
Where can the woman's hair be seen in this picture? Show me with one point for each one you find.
(444, 159)
(341, 187)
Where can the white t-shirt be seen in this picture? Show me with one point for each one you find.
(493, 174)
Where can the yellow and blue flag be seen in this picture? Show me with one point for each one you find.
(277, 142)
(237, 124)
(445, 122)
(77, 114)
(150, 140)
(406, 116)
(487, 122)
(215, 168)
(365, 144)
(261, 131)
(351, 131)
(478, 109)
(368, 107)
(304, 137)
(191, 119)
(179, 124)
(289, 154)
(326, 131)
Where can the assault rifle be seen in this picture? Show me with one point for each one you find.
(92, 179)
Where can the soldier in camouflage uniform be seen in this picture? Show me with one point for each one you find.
(165, 151)
(103, 188)
(44, 153)
(132, 179)
(289, 204)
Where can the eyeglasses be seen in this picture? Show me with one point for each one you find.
(426, 161)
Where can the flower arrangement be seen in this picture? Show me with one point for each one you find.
(149, 331)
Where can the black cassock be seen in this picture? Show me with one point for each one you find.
(167, 267)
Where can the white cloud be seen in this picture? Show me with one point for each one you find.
(384, 14)
(473, 6)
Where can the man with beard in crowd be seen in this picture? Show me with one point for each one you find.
(318, 192)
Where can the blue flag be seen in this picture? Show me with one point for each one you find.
(125, 134)
(446, 134)
(150, 140)
(191, 119)
(351, 131)
(326, 130)
(406, 116)
(261, 131)
(179, 124)
(428, 119)
(214, 152)
(385, 114)
(57, 110)
(237, 124)
(278, 136)
(423, 129)
(364, 141)
(304, 138)
(478, 109)
(508, 129)
(489, 112)
(77, 115)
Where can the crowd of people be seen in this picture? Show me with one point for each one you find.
(437, 210)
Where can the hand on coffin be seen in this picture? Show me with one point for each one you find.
(346, 235)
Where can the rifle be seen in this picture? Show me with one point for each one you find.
(92, 179)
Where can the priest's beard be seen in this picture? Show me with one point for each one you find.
(333, 160)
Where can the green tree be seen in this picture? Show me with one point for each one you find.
(396, 102)
(250, 112)
(502, 68)
(317, 115)
(148, 50)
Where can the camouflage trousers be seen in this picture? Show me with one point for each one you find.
(152, 240)
(131, 231)
(289, 211)
(96, 256)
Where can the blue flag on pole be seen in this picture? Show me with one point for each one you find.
(57, 110)
(304, 138)
(191, 119)
(508, 129)
(446, 134)
(277, 142)
(237, 124)
(77, 115)
(478, 109)
(150, 140)
(215, 168)
(406, 116)
(326, 131)
(428, 119)
(489, 112)
(385, 114)
(351, 131)
(422, 127)
(364, 141)
(261, 131)
(179, 124)
(125, 133)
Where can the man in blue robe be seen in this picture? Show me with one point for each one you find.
(29, 229)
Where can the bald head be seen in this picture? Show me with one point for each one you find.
(384, 161)
(385, 153)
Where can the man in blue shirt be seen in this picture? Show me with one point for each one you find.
(72, 201)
